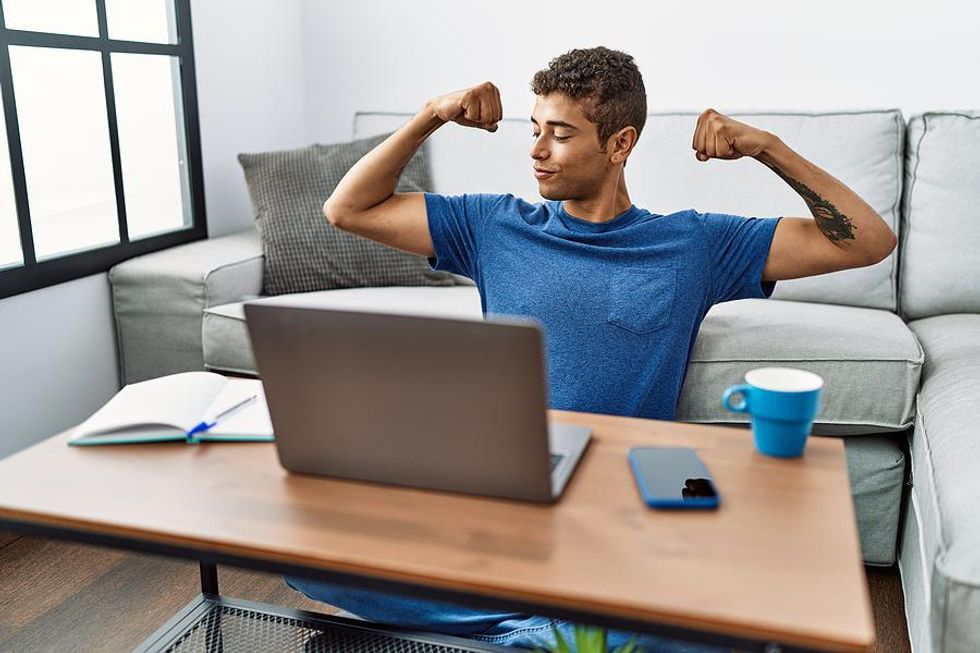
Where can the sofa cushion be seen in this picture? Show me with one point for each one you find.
(303, 251)
(863, 149)
(868, 359)
(942, 215)
(945, 458)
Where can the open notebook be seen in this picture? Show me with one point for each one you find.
(175, 407)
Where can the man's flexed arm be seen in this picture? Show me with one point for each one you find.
(845, 231)
(365, 201)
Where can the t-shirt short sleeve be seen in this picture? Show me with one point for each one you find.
(737, 249)
(456, 223)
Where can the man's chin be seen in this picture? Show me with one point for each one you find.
(551, 193)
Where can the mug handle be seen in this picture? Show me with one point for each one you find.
(742, 406)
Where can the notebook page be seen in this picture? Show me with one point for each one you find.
(176, 400)
(130, 434)
(252, 420)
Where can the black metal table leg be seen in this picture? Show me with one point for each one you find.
(209, 579)
(209, 587)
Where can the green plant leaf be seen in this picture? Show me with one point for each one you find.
(583, 637)
(561, 646)
(588, 639)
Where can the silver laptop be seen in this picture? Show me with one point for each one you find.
(445, 404)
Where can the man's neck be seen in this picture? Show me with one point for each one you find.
(612, 200)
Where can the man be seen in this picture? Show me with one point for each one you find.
(620, 292)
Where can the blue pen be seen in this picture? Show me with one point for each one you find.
(204, 426)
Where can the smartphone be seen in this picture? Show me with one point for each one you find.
(673, 477)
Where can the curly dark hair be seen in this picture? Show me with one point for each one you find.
(607, 80)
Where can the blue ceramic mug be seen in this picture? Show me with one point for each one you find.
(782, 403)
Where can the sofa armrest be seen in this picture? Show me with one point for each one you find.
(158, 300)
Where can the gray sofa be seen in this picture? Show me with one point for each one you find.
(897, 343)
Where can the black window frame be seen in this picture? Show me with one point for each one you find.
(33, 274)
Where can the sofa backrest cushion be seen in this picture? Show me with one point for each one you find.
(940, 240)
(303, 251)
(862, 149)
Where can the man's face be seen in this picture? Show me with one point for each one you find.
(566, 145)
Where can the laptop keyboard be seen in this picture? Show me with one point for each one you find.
(555, 459)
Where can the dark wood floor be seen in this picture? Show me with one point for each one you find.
(888, 603)
(56, 596)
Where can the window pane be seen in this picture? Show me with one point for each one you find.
(58, 16)
(10, 253)
(151, 21)
(65, 139)
(151, 142)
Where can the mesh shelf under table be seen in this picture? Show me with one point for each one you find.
(224, 625)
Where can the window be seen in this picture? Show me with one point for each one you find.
(100, 151)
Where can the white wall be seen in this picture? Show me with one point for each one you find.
(249, 64)
(379, 55)
(58, 358)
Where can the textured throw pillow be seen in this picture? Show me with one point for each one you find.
(303, 251)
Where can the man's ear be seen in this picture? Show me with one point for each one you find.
(621, 144)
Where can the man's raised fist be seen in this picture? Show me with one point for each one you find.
(477, 106)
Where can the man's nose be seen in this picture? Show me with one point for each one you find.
(538, 150)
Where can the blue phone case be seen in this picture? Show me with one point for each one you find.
(698, 503)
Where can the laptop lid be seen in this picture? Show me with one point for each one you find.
(447, 404)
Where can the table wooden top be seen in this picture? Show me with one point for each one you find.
(780, 560)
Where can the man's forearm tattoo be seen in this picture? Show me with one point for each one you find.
(835, 225)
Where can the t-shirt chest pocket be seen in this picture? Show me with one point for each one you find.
(641, 299)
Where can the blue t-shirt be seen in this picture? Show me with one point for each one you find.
(620, 302)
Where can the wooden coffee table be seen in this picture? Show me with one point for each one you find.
(776, 568)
